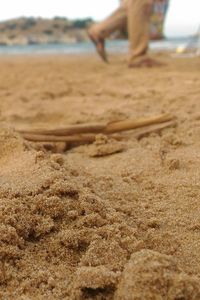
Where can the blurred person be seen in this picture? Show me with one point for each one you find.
(144, 20)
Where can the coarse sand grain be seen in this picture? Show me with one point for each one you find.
(112, 220)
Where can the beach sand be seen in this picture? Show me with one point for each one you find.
(118, 226)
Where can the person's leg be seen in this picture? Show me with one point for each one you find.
(116, 21)
(139, 14)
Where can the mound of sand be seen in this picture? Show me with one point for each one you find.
(150, 275)
(54, 214)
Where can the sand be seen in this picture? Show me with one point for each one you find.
(112, 220)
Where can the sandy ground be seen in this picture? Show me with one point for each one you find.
(120, 226)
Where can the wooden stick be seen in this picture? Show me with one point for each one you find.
(153, 129)
(101, 128)
(90, 138)
(68, 130)
(85, 138)
(133, 124)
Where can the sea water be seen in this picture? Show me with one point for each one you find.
(115, 46)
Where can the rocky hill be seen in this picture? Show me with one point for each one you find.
(27, 31)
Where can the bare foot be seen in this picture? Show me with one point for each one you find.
(99, 44)
(146, 62)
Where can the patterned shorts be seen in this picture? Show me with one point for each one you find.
(158, 18)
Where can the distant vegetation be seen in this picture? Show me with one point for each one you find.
(43, 31)
(82, 23)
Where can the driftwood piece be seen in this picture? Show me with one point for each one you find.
(98, 128)
(84, 138)
(157, 128)
(90, 138)
(78, 138)
(68, 130)
(133, 124)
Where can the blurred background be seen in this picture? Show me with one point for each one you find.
(60, 25)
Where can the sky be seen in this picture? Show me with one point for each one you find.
(183, 17)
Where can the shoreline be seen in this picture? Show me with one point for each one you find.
(115, 46)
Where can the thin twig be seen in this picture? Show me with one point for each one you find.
(153, 129)
(90, 138)
(68, 130)
(81, 138)
(133, 124)
(100, 128)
